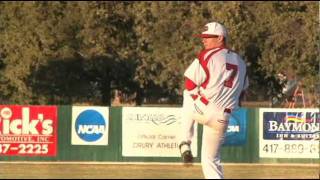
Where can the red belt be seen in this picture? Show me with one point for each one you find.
(227, 110)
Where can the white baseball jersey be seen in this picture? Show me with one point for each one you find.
(219, 76)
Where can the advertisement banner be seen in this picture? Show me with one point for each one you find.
(289, 133)
(90, 125)
(28, 130)
(153, 132)
(237, 128)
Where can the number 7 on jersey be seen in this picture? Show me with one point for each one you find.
(234, 68)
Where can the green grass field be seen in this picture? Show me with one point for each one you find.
(152, 171)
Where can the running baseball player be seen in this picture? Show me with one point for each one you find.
(214, 85)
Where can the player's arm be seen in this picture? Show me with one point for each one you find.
(241, 97)
(193, 78)
(191, 87)
(243, 92)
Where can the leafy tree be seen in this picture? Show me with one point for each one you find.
(73, 52)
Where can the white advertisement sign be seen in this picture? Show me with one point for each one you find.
(289, 133)
(90, 125)
(153, 132)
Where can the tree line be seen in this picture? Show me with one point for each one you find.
(75, 52)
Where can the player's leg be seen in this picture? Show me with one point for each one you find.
(187, 121)
(212, 140)
(188, 127)
(215, 123)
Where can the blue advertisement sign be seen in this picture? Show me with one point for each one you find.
(289, 133)
(237, 128)
(298, 125)
(90, 125)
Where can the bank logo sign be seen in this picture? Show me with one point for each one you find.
(90, 125)
(153, 132)
(158, 119)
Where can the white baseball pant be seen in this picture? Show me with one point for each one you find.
(215, 123)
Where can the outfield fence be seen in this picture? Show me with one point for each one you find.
(151, 134)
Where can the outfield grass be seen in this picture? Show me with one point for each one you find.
(152, 171)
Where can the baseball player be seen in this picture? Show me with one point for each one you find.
(214, 85)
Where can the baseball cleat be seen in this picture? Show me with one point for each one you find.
(185, 151)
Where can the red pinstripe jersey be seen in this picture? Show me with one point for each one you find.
(219, 75)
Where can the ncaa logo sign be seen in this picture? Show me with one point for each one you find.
(90, 125)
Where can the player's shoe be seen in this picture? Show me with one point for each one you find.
(185, 151)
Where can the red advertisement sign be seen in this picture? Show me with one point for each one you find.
(28, 130)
